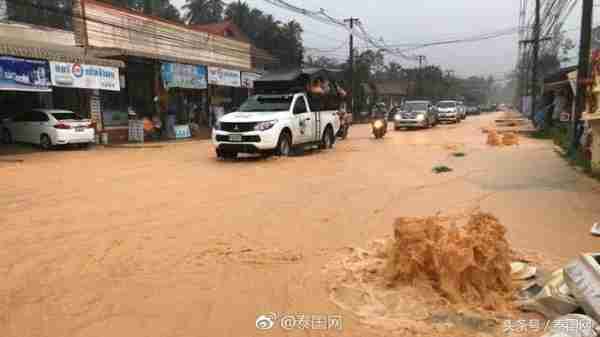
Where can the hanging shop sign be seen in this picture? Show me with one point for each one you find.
(84, 76)
(176, 75)
(248, 79)
(17, 74)
(224, 77)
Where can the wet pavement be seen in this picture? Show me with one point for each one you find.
(168, 241)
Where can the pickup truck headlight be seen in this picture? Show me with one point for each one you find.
(398, 117)
(263, 126)
(217, 126)
(421, 117)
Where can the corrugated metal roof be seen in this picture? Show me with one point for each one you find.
(51, 52)
(114, 52)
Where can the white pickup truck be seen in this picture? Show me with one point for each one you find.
(274, 124)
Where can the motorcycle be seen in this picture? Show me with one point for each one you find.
(379, 127)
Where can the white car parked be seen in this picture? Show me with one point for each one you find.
(48, 128)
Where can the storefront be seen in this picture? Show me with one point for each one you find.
(248, 80)
(38, 74)
(164, 80)
(187, 99)
(32, 83)
(24, 85)
(86, 82)
(225, 91)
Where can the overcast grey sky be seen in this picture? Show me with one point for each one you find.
(416, 22)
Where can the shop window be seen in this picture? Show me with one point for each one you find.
(140, 81)
(114, 108)
(14, 102)
(67, 99)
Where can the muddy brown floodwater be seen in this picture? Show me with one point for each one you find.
(167, 241)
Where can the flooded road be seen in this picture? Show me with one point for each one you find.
(167, 241)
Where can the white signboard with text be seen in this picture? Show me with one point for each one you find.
(248, 79)
(224, 77)
(75, 75)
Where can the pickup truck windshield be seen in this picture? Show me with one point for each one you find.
(447, 105)
(266, 104)
(415, 106)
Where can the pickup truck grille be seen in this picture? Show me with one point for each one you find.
(238, 127)
(245, 139)
(409, 115)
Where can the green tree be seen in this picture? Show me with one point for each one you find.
(160, 8)
(51, 13)
(283, 40)
(203, 11)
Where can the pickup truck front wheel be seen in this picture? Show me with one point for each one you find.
(328, 139)
(284, 145)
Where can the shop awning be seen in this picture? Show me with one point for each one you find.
(558, 80)
(51, 52)
(116, 52)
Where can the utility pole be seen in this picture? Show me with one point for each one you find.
(449, 74)
(536, 52)
(352, 21)
(583, 72)
(419, 74)
(3, 11)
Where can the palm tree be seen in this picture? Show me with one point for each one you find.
(203, 11)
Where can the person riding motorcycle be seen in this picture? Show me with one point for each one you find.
(380, 112)
(379, 120)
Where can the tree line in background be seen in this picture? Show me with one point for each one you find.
(428, 82)
(281, 39)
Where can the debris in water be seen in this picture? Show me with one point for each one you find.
(552, 300)
(510, 138)
(522, 271)
(596, 229)
(441, 169)
(459, 154)
(583, 279)
(465, 264)
(493, 139)
(439, 276)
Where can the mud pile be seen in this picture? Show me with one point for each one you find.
(510, 138)
(467, 263)
(493, 139)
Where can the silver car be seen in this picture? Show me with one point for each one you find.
(415, 114)
(449, 111)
